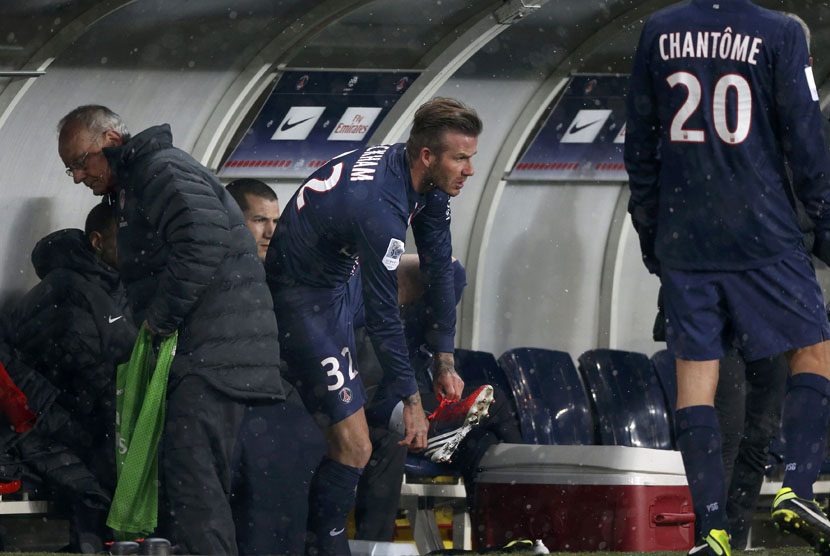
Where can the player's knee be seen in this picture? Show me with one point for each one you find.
(355, 452)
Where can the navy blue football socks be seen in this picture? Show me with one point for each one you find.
(698, 438)
(804, 425)
(331, 498)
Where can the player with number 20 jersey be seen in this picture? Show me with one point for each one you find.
(722, 93)
(722, 98)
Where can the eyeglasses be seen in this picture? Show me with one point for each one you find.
(78, 165)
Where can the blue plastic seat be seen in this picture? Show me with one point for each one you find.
(550, 396)
(628, 399)
(481, 367)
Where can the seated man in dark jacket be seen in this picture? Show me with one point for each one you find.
(65, 338)
(189, 265)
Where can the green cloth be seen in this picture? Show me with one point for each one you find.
(139, 421)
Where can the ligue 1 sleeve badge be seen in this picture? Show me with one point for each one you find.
(345, 395)
(122, 198)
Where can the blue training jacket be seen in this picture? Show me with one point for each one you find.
(356, 209)
(722, 94)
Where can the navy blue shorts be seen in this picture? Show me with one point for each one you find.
(317, 343)
(766, 310)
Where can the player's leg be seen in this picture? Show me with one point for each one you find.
(804, 423)
(805, 416)
(730, 400)
(379, 490)
(699, 442)
(781, 309)
(200, 430)
(766, 382)
(318, 345)
(332, 492)
(696, 318)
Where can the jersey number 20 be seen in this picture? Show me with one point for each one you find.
(743, 120)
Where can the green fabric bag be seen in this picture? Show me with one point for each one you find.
(139, 421)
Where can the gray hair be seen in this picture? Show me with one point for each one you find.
(97, 119)
(803, 26)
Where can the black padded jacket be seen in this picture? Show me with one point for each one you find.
(74, 327)
(189, 263)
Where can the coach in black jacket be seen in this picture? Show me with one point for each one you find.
(189, 264)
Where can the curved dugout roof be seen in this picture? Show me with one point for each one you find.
(354, 33)
(554, 37)
(255, 39)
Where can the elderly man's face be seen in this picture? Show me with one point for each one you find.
(81, 152)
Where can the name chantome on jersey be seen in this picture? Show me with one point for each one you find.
(710, 44)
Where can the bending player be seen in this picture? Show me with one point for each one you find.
(357, 208)
(722, 93)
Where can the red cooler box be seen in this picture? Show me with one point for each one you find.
(583, 498)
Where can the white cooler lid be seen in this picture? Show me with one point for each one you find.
(593, 465)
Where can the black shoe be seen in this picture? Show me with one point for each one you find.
(716, 543)
(803, 518)
(155, 546)
(124, 547)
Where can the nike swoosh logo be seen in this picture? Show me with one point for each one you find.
(698, 548)
(288, 125)
(577, 129)
(335, 532)
(112, 320)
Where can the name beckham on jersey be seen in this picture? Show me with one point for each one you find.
(710, 44)
(364, 168)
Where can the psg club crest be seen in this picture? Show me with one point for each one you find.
(345, 395)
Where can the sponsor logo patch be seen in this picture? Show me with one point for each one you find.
(354, 123)
(393, 254)
(585, 126)
(298, 123)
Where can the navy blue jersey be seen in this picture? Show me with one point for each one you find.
(722, 95)
(357, 208)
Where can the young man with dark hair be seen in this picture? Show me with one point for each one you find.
(260, 208)
(722, 94)
(356, 209)
(188, 264)
(70, 332)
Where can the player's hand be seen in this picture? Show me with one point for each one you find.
(416, 424)
(446, 383)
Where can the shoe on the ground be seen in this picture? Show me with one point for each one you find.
(155, 546)
(804, 518)
(716, 543)
(451, 422)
